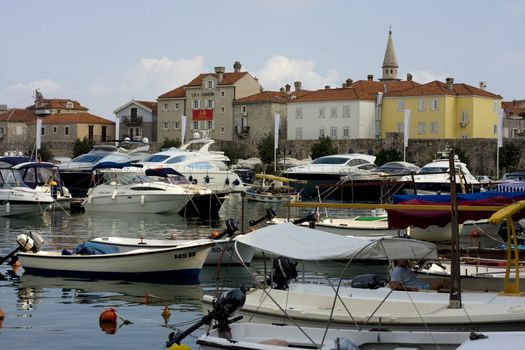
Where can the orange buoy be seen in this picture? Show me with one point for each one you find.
(16, 266)
(166, 312)
(108, 316)
(108, 327)
(2, 316)
(214, 234)
(147, 298)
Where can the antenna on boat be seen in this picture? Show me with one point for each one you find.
(455, 281)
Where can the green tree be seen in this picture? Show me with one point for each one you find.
(168, 143)
(462, 155)
(82, 146)
(265, 148)
(322, 148)
(234, 152)
(509, 156)
(388, 155)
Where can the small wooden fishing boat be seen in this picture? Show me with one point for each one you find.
(93, 261)
(272, 191)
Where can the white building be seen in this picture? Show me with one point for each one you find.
(137, 119)
(342, 113)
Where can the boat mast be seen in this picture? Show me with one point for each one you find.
(455, 281)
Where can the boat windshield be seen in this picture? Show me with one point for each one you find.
(330, 160)
(156, 158)
(177, 159)
(88, 158)
(433, 170)
(11, 178)
(114, 178)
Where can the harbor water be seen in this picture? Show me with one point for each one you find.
(63, 313)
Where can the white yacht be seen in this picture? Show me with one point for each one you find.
(324, 175)
(77, 173)
(200, 165)
(134, 193)
(16, 198)
(434, 177)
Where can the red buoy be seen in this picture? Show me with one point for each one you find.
(108, 315)
(1, 314)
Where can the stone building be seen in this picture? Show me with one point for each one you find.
(207, 103)
(137, 119)
(514, 119)
(13, 129)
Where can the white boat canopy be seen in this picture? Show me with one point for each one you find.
(303, 243)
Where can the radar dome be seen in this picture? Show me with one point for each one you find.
(145, 140)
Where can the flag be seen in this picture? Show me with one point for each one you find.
(500, 128)
(407, 126)
(182, 129)
(38, 132)
(276, 130)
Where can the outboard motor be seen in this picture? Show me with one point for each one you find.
(26, 242)
(270, 214)
(232, 226)
(284, 270)
(223, 307)
(311, 218)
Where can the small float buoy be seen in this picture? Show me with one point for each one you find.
(214, 234)
(108, 315)
(474, 233)
(166, 313)
(16, 265)
(147, 298)
(2, 316)
(179, 347)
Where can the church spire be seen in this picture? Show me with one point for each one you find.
(390, 62)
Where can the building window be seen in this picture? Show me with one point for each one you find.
(464, 136)
(166, 125)
(494, 129)
(321, 132)
(43, 131)
(196, 104)
(243, 110)
(222, 109)
(222, 93)
(165, 106)
(401, 106)
(299, 112)
(421, 106)
(463, 119)
(54, 129)
(104, 132)
(210, 84)
(66, 130)
(210, 104)
(333, 112)
(515, 132)
(177, 106)
(196, 125)
(2, 130)
(222, 129)
(211, 124)
(333, 132)
(299, 133)
(421, 128)
(346, 111)
(434, 127)
(434, 105)
(321, 112)
(177, 125)
(69, 105)
(346, 132)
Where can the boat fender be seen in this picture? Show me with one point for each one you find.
(8, 207)
(166, 313)
(114, 195)
(142, 200)
(207, 179)
(190, 178)
(343, 343)
(236, 182)
(227, 181)
(179, 347)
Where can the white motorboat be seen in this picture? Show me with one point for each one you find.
(221, 253)
(126, 192)
(434, 177)
(311, 302)
(198, 164)
(16, 198)
(252, 336)
(184, 262)
(77, 174)
(323, 176)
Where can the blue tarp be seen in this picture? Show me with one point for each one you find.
(90, 248)
(162, 172)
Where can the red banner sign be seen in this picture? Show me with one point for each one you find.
(202, 114)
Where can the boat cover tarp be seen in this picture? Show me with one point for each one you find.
(115, 165)
(304, 243)
(403, 218)
(162, 172)
(90, 248)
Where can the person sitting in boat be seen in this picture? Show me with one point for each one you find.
(402, 277)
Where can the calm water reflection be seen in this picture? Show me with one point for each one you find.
(58, 313)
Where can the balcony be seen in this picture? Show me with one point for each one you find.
(132, 120)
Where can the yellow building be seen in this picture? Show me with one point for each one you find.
(442, 111)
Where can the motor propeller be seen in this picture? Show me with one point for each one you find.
(223, 307)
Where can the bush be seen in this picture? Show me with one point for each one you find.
(323, 148)
(82, 147)
(388, 155)
(168, 143)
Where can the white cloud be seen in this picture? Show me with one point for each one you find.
(281, 70)
(21, 95)
(425, 76)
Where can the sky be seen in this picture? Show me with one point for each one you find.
(104, 53)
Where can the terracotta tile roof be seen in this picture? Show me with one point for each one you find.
(18, 115)
(373, 87)
(335, 94)
(175, 93)
(149, 104)
(265, 96)
(228, 78)
(59, 103)
(439, 88)
(75, 118)
(512, 108)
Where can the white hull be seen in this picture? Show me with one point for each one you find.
(175, 262)
(469, 228)
(222, 251)
(275, 337)
(14, 208)
(124, 202)
(313, 303)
